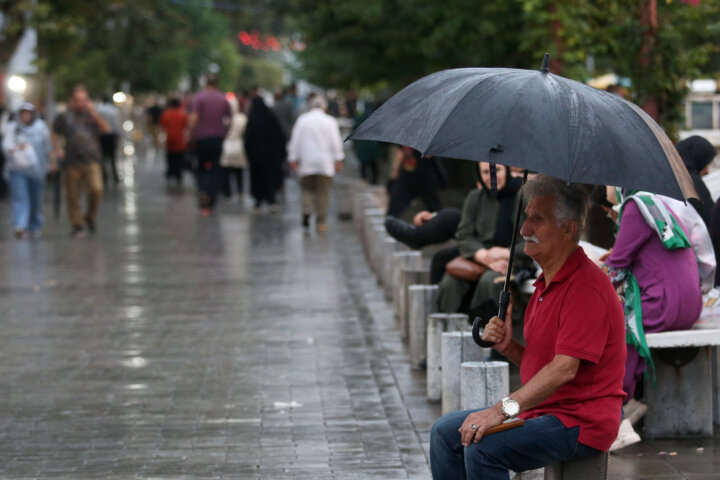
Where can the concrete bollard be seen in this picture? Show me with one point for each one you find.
(371, 217)
(391, 246)
(409, 277)
(376, 254)
(372, 224)
(342, 193)
(483, 384)
(361, 202)
(422, 301)
(439, 323)
(588, 468)
(456, 348)
(400, 261)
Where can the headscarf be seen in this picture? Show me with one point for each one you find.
(697, 153)
(506, 196)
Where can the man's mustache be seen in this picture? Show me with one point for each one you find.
(531, 238)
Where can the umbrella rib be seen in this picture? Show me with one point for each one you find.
(459, 102)
(514, 104)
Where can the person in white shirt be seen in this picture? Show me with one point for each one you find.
(315, 154)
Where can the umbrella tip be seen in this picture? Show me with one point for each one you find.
(544, 67)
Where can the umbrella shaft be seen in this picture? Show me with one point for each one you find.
(504, 299)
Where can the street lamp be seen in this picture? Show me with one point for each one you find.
(17, 84)
(119, 97)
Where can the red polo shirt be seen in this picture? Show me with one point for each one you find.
(578, 314)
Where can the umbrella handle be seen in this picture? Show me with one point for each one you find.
(479, 323)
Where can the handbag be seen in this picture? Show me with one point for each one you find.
(464, 269)
(24, 156)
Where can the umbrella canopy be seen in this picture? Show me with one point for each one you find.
(533, 120)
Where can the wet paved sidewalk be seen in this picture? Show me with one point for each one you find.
(170, 345)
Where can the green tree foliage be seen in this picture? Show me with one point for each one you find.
(150, 44)
(356, 43)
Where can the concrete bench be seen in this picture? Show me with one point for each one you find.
(685, 402)
(588, 468)
(408, 277)
(439, 323)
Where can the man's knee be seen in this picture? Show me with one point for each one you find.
(446, 429)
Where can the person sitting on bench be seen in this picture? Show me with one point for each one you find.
(654, 262)
(571, 367)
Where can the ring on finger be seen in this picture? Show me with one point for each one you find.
(474, 427)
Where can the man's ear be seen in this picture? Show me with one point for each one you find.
(570, 229)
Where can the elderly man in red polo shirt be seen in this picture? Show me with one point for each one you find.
(571, 366)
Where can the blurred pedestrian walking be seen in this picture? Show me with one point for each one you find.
(316, 153)
(27, 146)
(109, 141)
(174, 121)
(209, 119)
(368, 153)
(152, 120)
(266, 152)
(80, 157)
(234, 158)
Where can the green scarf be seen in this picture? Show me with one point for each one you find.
(672, 236)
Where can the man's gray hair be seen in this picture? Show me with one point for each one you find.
(318, 101)
(572, 200)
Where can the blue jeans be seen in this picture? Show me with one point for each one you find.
(541, 441)
(26, 195)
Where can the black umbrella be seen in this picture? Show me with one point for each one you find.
(536, 121)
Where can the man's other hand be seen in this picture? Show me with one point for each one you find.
(475, 424)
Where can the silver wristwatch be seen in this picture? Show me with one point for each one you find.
(510, 408)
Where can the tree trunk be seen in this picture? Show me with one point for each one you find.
(648, 21)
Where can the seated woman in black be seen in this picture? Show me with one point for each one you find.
(484, 236)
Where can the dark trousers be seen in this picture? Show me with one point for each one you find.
(108, 145)
(209, 174)
(175, 161)
(406, 187)
(369, 171)
(227, 176)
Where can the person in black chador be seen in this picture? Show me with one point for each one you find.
(265, 147)
(697, 154)
(415, 176)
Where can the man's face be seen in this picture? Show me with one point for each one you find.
(541, 232)
(485, 175)
(80, 100)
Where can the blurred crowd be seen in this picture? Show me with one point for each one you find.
(228, 142)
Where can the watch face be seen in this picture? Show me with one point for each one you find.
(511, 407)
